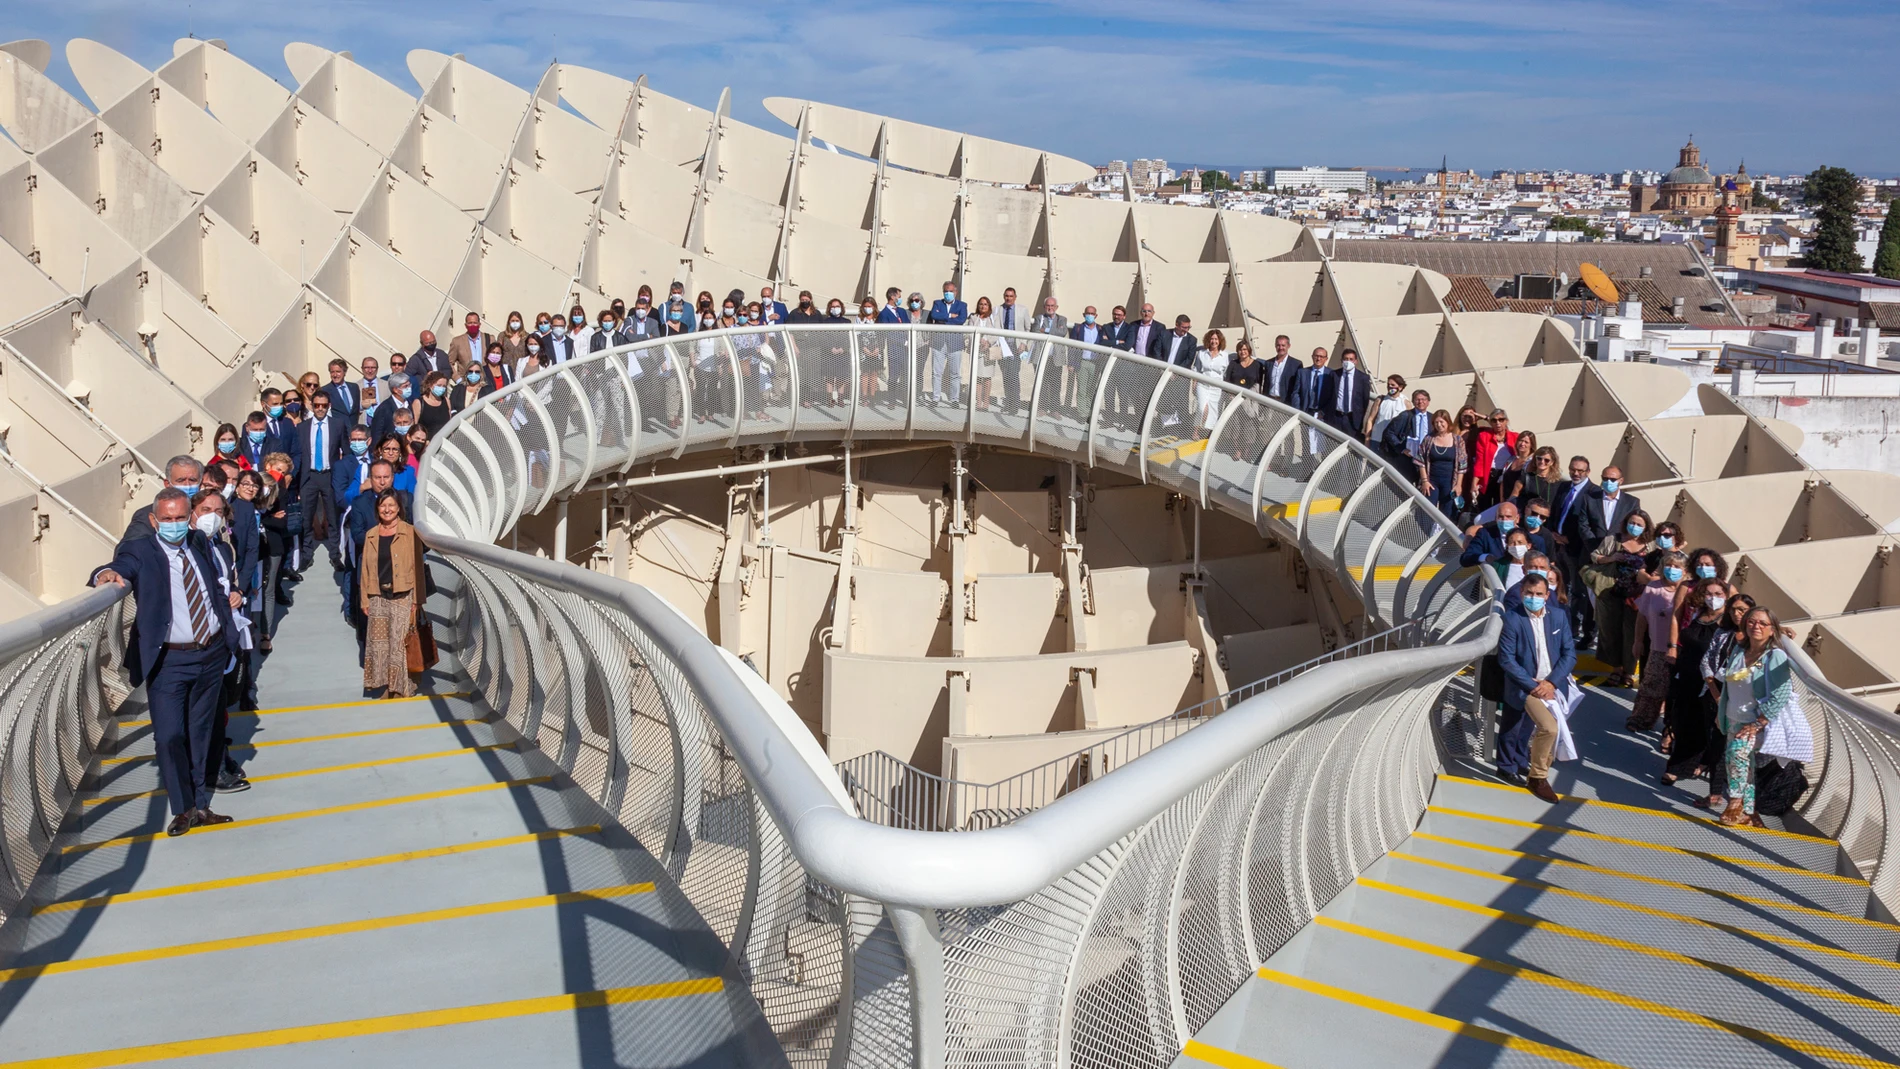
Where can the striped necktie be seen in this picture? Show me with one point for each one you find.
(195, 599)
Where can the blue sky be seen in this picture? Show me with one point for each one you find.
(1587, 84)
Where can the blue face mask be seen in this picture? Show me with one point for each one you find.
(227, 446)
(1533, 603)
(1666, 541)
(1528, 572)
(256, 437)
(440, 391)
(474, 376)
(359, 446)
(1089, 318)
(949, 297)
(1610, 485)
(189, 491)
(1532, 523)
(173, 531)
(276, 411)
(674, 315)
(1506, 526)
(1705, 571)
(1635, 529)
(1673, 574)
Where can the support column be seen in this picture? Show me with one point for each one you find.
(560, 527)
(1072, 582)
(959, 553)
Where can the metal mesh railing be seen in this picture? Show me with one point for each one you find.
(1067, 922)
(60, 683)
(1854, 792)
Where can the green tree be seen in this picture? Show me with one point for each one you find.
(1833, 194)
(1212, 180)
(1582, 226)
(1887, 253)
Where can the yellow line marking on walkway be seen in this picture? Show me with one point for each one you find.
(1698, 922)
(322, 738)
(1566, 931)
(1226, 1059)
(329, 705)
(295, 935)
(1598, 803)
(69, 905)
(1464, 1029)
(1170, 454)
(1392, 573)
(252, 822)
(373, 1026)
(379, 763)
(1705, 855)
(1291, 509)
(1546, 979)
(1731, 896)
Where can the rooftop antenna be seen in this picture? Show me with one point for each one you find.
(1444, 165)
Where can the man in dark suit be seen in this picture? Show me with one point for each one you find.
(1351, 393)
(1537, 656)
(276, 424)
(946, 353)
(1405, 429)
(430, 357)
(1608, 509)
(182, 638)
(1567, 507)
(382, 421)
(1282, 374)
(182, 473)
(1012, 316)
(559, 345)
(1118, 332)
(255, 445)
(1486, 542)
(346, 397)
(1177, 347)
(771, 309)
(320, 440)
(1312, 394)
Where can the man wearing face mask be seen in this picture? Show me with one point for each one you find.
(1608, 507)
(182, 473)
(1537, 656)
(1078, 393)
(277, 424)
(946, 353)
(466, 350)
(182, 638)
(1486, 543)
(350, 477)
(1350, 396)
(320, 441)
(252, 448)
(558, 347)
(641, 325)
(399, 404)
(606, 335)
(370, 392)
(771, 309)
(225, 774)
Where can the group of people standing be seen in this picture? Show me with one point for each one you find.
(1584, 566)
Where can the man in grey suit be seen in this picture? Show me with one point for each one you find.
(1056, 325)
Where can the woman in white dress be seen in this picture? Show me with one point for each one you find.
(989, 351)
(1211, 360)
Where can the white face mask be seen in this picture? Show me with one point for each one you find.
(1715, 602)
(1517, 551)
(210, 523)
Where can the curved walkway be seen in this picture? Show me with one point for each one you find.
(1620, 927)
(406, 884)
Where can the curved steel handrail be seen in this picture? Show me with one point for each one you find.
(931, 869)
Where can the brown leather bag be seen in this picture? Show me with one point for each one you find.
(420, 645)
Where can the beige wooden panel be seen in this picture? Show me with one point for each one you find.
(327, 161)
(1719, 447)
(1498, 339)
(196, 349)
(232, 277)
(570, 150)
(628, 257)
(487, 106)
(1852, 575)
(1006, 221)
(1413, 346)
(57, 232)
(381, 291)
(34, 110)
(988, 274)
(1253, 655)
(1177, 235)
(23, 288)
(918, 208)
(117, 183)
(1253, 237)
(901, 527)
(498, 276)
(105, 75)
(46, 431)
(293, 228)
(1642, 390)
(1549, 397)
(1772, 510)
(899, 613)
(1135, 606)
(362, 102)
(1283, 293)
(836, 188)
(1081, 283)
(1861, 651)
(927, 148)
(177, 135)
(246, 100)
(1877, 493)
(741, 232)
(451, 160)
(658, 195)
(418, 226)
(1092, 230)
(754, 162)
(535, 213)
(1015, 614)
(828, 258)
(1603, 445)
(601, 98)
(1370, 290)
(1189, 289)
(673, 130)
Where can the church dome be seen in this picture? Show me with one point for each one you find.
(1689, 176)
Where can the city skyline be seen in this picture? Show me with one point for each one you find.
(1379, 81)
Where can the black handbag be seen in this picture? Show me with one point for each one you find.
(1491, 678)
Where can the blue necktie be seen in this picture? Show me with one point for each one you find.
(316, 447)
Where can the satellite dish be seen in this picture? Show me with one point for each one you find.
(1598, 282)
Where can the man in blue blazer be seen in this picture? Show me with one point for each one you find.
(1537, 656)
(320, 441)
(946, 354)
(182, 639)
(1486, 543)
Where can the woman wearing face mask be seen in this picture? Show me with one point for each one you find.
(418, 441)
(468, 384)
(1704, 563)
(514, 340)
(1691, 709)
(988, 352)
(1668, 539)
(709, 372)
(394, 585)
(1757, 689)
(754, 377)
(273, 509)
(544, 324)
(870, 354)
(531, 361)
(1727, 636)
(835, 357)
(1656, 611)
(1517, 549)
(224, 445)
(434, 410)
(1616, 575)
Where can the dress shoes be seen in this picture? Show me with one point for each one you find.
(231, 783)
(1541, 788)
(180, 824)
(1513, 778)
(201, 818)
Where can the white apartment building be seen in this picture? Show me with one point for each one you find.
(1318, 178)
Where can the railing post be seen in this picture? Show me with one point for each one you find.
(922, 940)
